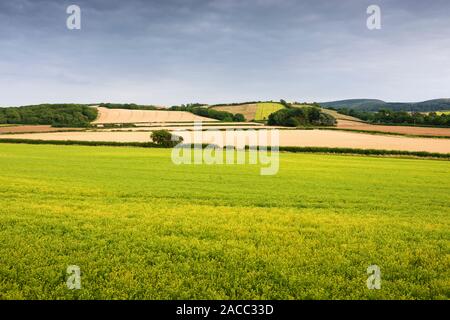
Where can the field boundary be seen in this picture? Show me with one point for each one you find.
(368, 152)
(211, 127)
(323, 150)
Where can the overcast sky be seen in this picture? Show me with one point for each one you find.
(180, 51)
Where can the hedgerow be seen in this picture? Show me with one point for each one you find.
(381, 152)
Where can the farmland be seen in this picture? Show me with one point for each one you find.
(247, 110)
(140, 227)
(33, 128)
(294, 138)
(265, 109)
(252, 111)
(407, 130)
(108, 116)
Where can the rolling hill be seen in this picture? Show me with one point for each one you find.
(259, 111)
(375, 105)
(108, 116)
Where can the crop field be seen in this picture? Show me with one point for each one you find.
(140, 227)
(247, 110)
(255, 111)
(264, 110)
(32, 128)
(338, 115)
(287, 138)
(408, 130)
(107, 116)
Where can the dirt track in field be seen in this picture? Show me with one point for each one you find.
(346, 124)
(106, 115)
(302, 138)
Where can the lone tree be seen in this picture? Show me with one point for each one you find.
(165, 139)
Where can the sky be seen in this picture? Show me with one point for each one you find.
(216, 51)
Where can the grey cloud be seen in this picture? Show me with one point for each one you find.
(179, 51)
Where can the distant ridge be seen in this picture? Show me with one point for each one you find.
(375, 105)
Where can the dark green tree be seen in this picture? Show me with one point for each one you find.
(165, 139)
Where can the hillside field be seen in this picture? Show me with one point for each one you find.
(338, 116)
(265, 109)
(375, 105)
(108, 116)
(406, 130)
(141, 227)
(252, 111)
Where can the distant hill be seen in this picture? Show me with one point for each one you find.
(375, 105)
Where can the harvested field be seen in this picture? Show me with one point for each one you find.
(342, 139)
(339, 116)
(247, 110)
(191, 127)
(205, 124)
(356, 125)
(29, 128)
(85, 136)
(300, 138)
(106, 115)
(254, 111)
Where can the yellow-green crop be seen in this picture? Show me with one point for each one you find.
(140, 227)
(265, 109)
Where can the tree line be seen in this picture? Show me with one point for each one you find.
(237, 103)
(304, 116)
(131, 106)
(195, 108)
(210, 113)
(399, 117)
(57, 115)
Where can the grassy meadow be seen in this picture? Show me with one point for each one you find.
(141, 227)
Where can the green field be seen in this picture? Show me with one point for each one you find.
(140, 227)
(265, 109)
